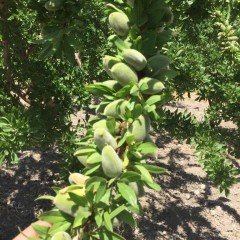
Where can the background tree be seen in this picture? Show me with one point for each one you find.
(41, 77)
(204, 47)
(206, 51)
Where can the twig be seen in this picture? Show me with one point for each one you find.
(78, 59)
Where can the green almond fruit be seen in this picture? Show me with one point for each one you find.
(112, 165)
(61, 236)
(135, 59)
(102, 138)
(124, 74)
(103, 124)
(77, 179)
(108, 63)
(112, 84)
(100, 124)
(53, 5)
(168, 16)
(150, 86)
(157, 63)
(64, 203)
(140, 128)
(116, 108)
(119, 22)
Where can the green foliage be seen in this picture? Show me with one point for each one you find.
(117, 144)
(14, 134)
(57, 48)
(206, 51)
(49, 83)
(211, 152)
(213, 156)
(66, 146)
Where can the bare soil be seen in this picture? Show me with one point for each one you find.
(21, 185)
(189, 207)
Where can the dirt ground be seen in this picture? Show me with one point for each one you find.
(189, 207)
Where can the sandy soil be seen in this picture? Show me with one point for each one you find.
(189, 207)
(20, 186)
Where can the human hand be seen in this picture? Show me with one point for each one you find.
(29, 231)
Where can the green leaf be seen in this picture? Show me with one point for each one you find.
(154, 169)
(124, 92)
(128, 218)
(90, 196)
(134, 90)
(149, 108)
(45, 197)
(60, 226)
(68, 51)
(130, 176)
(122, 140)
(79, 200)
(106, 198)
(154, 99)
(54, 216)
(56, 189)
(107, 221)
(94, 158)
(161, 99)
(84, 151)
(145, 175)
(40, 229)
(128, 194)
(111, 125)
(121, 45)
(89, 171)
(138, 13)
(148, 149)
(81, 218)
(109, 5)
(46, 50)
(149, 42)
(101, 191)
(93, 181)
(107, 235)
(98, 218)
(137, 111)
(130, 138)
(98, 89)
(154, 186)
(114, 236)
(117, 211)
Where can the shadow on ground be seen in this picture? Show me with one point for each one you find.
(19, 186)
(167, 215)
(170, 215)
